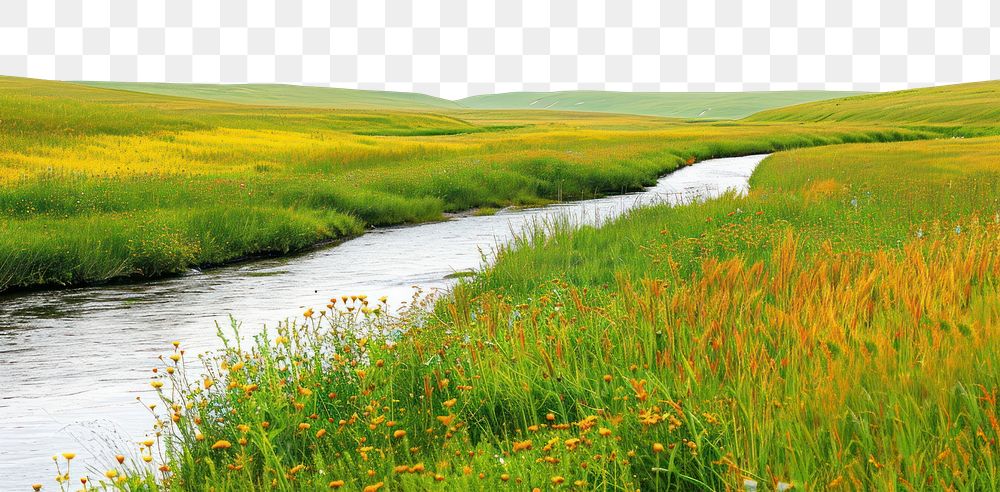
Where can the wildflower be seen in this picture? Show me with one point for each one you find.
(36, 487)
(111, 474)
(199, 436)
(383, 299)
(450, 403)
(222, 444)
(556, 480)
(504, 477)
(308, 313)
(399, 434)
(156, 384)
(69, 456)
(164, 468)
(336, 484)
(175, 357)
(604, 431)
(522, 445)
(375, 487)
(148, 443)
(147, 458)
(120, 458)
(297, 468)
(550, 417)
(438, 477)
(303, 426)
(320, 433)
(607, 378)
(657, 448)
(446, 419)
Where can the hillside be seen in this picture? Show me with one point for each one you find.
(955, 104)
(289, 95)
(719, 105)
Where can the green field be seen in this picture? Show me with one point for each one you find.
(974, 103)
(671, 105)
(834, 329)
(103, 184)
(717, 105)
(289, 95)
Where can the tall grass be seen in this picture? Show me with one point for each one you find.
(836, 329)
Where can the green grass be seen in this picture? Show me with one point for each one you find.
(836, 330)
(974, 104)
(289, 95)
(687, 105)
(673, 105)
(211, 182)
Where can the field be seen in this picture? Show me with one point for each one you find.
(688, 105)
(835, 329)
(671, 105)
(290, 95)
(103, 184)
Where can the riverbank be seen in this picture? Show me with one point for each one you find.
(112, 335)
(797, 335)
(101, 185)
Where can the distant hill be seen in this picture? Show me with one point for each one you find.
(718, 105)
(289, 95)
(972, 103)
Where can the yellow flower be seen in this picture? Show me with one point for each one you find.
(308, 313)
(556, 480)
(69, 456)
(657, 448)
(336, 484)
(148, 443)
(399, 434)
(111, 473)
(222, 444)
(156, 384)
(303, 426)
(450, 403)
(147, 458)
(37, 487)
(320, 433)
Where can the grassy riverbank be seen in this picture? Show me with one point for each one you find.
(836, 329)
(103, 184)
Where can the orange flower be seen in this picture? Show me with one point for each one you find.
(336, 484)
(399, 434)
(222, 444)
(657, 448)
(374, 487)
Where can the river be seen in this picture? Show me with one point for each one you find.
(72, 362)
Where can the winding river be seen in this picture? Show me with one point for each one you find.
(72, 362)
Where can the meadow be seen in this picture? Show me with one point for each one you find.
(834, 329)
(103, 185)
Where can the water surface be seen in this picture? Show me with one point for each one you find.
(72, 362)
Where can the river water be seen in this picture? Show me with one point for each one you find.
(72, 362)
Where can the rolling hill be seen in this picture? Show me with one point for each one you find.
(716, 105)
(289, 95)
(973, 103)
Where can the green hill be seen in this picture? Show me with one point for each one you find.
(719, 105)
(289, 95)
(972, 103)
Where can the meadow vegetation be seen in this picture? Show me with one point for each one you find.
(835, 329)
(101, 184)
